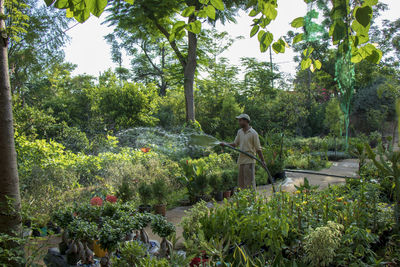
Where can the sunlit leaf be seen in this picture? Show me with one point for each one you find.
(218, 4)
(194, 27)
(298, 38)
(254, 30)
(210, 10)
(298, 22)
(188, 11)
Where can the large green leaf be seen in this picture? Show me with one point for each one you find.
(270, 11)
(130, 1)
(371, 2)
(194, 27)
(61, 4)
(254, 30)
(298, 38)
(188, 11)
(306, 63)
(254, 13)
(364, 15)
(261, 36)
(268, 39)
(210, 11)
(218, 4)
(279, 46)
(298, 22)
(97, 7)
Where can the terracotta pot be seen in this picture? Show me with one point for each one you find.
(144, 208)
(98, 251)
(160, 209)
(227, 194)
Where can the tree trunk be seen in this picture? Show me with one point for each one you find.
(10, 202)
(189, 73)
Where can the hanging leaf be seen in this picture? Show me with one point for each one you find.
(218, 4)
(364, 15)
(210, 10)
(202, 14)
(297, 22)
(204, 2)
(261, 36)
(97, 7)
(69, 13)
(61, 4)
(317, 64)
(270, 11)
(306, 63)
(298, 38)
(279, 46)
(254, 13)
(188, 11)
(371, 2)
(307, 52)
(194, 27)
(178, 26)
(254, 30)
(267, 40)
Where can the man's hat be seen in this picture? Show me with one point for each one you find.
(243, 116)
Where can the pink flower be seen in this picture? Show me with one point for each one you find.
(96, 201)
(111, 199)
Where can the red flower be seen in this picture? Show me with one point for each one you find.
(96, 201)
(111, 199)
(195, 262)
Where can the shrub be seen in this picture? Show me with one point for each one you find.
(160, 190)
(321, 244)
(145, 193)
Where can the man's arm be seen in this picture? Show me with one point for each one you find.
(228, 144)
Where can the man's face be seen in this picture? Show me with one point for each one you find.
(243, 123)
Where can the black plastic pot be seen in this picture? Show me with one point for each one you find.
(280, 175)
(219, 196)
(144, 208)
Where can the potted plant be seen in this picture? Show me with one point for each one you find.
(215, 182)
(63, 218)
(164, 229)
(144, 220)
(200, 182)
(145, 194)
(226, 184)
(160, 191)
(81, 232)
(111, 234)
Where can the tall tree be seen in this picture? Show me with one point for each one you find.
(155, 18)
(10, 202)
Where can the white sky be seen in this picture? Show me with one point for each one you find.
(91, 53)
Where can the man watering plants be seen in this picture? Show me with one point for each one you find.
(248, 141)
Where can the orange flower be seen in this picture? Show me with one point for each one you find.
(339, 199)
(145, 149)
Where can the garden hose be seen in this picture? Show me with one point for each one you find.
(270, 178)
